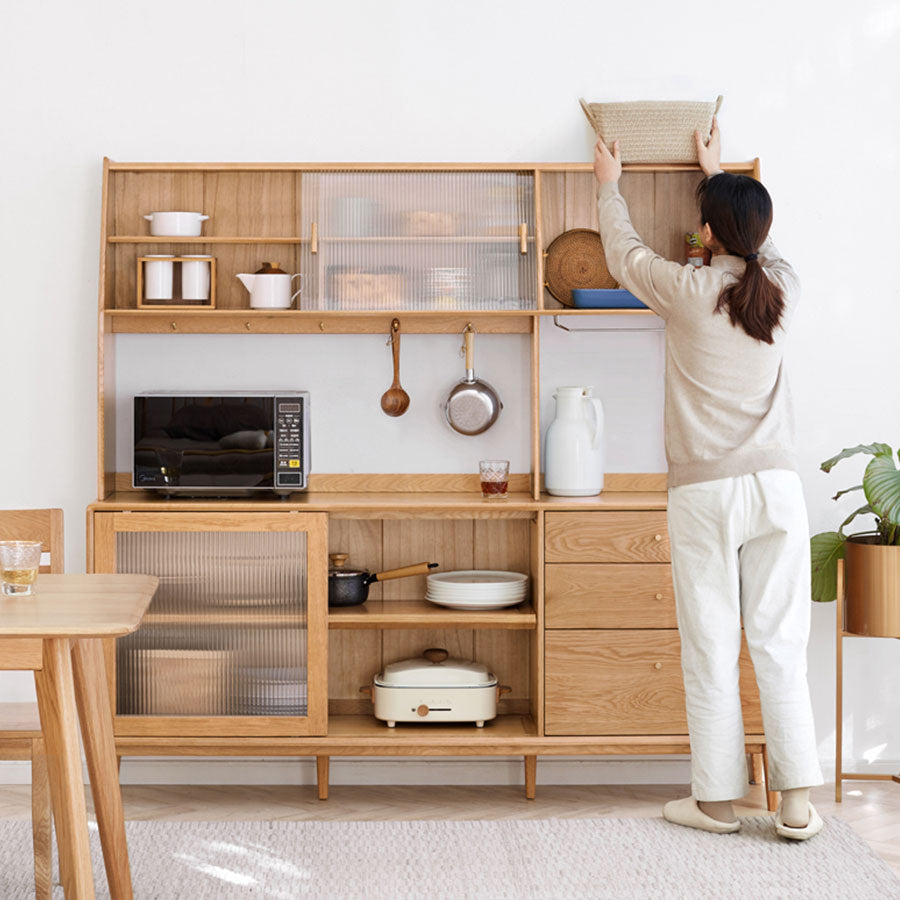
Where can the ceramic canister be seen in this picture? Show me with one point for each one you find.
(158, 276)
(195, 277)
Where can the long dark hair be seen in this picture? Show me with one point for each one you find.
(738, 209)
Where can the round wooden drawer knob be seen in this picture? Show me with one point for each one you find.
(657, 665)
(422, 710)
(657, 537)
(659, 596)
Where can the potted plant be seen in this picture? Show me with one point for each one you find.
(872, 557)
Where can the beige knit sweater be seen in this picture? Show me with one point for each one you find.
(728, 404)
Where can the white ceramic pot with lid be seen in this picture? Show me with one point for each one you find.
(435, 688)
(176, 224)
(270, 287)
(573, 453)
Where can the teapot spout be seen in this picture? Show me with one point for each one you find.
(247, 281)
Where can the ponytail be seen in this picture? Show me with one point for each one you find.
(738, 209)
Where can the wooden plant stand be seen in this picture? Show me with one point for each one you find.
(839, 774)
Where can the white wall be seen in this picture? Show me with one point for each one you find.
(808, 88)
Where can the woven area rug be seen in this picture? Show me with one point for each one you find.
(549, 858)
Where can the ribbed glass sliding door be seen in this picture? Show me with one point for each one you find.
(419, 241)
(228, 633)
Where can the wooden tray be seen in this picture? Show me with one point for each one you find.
(575, 259)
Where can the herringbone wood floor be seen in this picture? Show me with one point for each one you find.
(872, 808)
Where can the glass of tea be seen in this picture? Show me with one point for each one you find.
(19, 564)
(494, 478)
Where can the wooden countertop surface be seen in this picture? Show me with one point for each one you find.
(397, 502)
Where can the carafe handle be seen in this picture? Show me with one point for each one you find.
(597, 406)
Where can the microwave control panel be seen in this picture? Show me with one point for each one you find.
(290, 434)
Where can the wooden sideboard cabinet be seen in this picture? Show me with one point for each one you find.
(239, 654)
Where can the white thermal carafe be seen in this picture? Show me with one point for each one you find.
(573, 453)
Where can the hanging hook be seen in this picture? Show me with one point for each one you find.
(469, 328)
(395, 327)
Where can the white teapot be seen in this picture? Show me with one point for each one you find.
(574, 457)
(270, 287)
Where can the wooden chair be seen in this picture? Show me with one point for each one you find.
(20, 725)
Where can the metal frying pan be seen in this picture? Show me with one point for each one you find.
(472, 405)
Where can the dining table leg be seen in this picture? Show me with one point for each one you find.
(94, 711)
(56, 701)
(41, 822)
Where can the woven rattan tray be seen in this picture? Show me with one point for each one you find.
(656, 131)
(575, 259)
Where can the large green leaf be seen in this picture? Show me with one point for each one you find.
(857, 512)
(825, 550)
(871, 449)
(881, 484)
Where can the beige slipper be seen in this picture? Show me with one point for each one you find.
(687, 812)
(813, 827)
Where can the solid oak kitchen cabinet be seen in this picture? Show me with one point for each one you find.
(592, 658)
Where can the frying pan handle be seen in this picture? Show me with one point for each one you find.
(469, 336)
(418, 569)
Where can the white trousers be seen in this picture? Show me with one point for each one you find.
(740, 549)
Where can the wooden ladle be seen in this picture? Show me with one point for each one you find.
(395, 401)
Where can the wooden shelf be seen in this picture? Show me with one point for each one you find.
(237, 616)
(422, 614)
(358, 732)
(311, 321)
(314, 321)
(202, 239)
(427, 239)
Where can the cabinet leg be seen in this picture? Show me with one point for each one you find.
(322, 776)
(530, 777)
(771, 796)
(757, 775)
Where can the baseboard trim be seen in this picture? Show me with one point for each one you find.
(406, 771)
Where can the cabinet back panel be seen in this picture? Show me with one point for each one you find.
(239, 204)
(662, 206)
(376, 545)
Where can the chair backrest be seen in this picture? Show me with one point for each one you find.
(44, 525)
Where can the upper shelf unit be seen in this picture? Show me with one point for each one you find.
(435, 243)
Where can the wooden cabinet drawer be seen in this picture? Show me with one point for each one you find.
(624, 682)
(607, 537)
(611, 595)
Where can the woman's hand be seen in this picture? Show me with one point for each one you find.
(709, 155)
(607, 166)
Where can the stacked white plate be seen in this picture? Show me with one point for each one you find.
(476, 589)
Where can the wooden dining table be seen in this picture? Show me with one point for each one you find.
(58, 633)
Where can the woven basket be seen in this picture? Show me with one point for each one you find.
(652, 131)
(575, 259)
